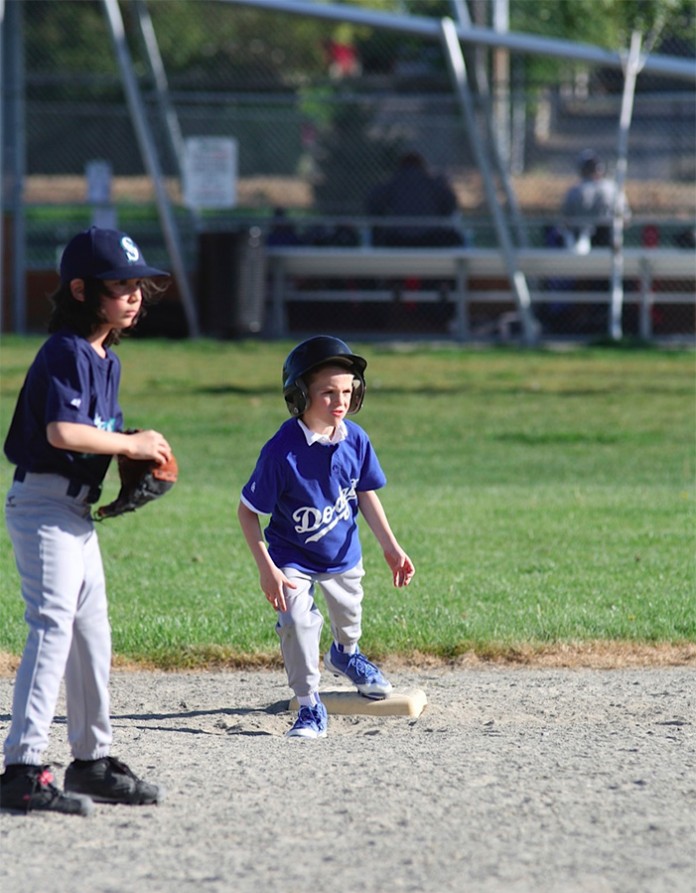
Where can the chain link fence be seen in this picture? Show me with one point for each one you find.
(321, 114)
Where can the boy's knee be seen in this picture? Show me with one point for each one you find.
(299, 620)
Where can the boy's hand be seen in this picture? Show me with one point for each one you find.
(401, 566)
(273, 582)
(147, 444)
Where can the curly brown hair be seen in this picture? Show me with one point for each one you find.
(83, 317)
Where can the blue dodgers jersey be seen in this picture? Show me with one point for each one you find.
(310, 492)
(67, 382)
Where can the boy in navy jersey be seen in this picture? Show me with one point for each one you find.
(66, 427)
(312, 477)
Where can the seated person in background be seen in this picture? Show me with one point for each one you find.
(413, 192)
(588, 206)
(282, 231)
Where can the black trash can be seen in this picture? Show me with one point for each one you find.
(232, 282)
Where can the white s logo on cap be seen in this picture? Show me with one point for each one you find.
(131, 249)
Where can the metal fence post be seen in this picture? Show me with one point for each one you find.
(633, 66)
(518, 283)
(147, 147)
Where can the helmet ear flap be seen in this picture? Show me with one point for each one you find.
(358, 395)
(296, 398)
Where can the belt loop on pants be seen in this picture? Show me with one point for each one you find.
(74, 488)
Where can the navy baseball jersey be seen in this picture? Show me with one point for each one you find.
(310, 491)
(67, 382)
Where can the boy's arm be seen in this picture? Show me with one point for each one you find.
(271, 578)
(401, 565)
(81, 438)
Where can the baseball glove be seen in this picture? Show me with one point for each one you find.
(142, 480)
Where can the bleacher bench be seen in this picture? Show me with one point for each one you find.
(474, 275)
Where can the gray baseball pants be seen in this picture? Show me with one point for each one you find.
(299, 627)
(62, 579)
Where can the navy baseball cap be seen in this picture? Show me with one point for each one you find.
(104, 254)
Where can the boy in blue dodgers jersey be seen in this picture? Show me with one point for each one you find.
(311, 478)
(66, 427)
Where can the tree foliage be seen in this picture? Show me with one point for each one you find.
(205, 40)
(605, 23)
(67, 37)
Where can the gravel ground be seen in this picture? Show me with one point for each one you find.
(511, 781)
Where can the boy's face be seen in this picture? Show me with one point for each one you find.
(120, 301)
(121, 304)
(330, 391)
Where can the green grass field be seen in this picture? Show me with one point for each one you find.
(546, 498)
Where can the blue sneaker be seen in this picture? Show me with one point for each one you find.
(311, 722)
(364, 675)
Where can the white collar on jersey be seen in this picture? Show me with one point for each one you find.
(312, 437)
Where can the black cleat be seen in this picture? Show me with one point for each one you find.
(31, 789)
(108, 780)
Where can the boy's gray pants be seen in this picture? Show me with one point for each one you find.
(299, 627)
(60, 566)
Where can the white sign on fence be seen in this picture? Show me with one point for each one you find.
(210, 172)
(99, 175)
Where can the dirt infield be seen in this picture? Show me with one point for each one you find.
(536, 193)
(514, 779)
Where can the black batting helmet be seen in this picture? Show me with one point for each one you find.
(320, 351)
